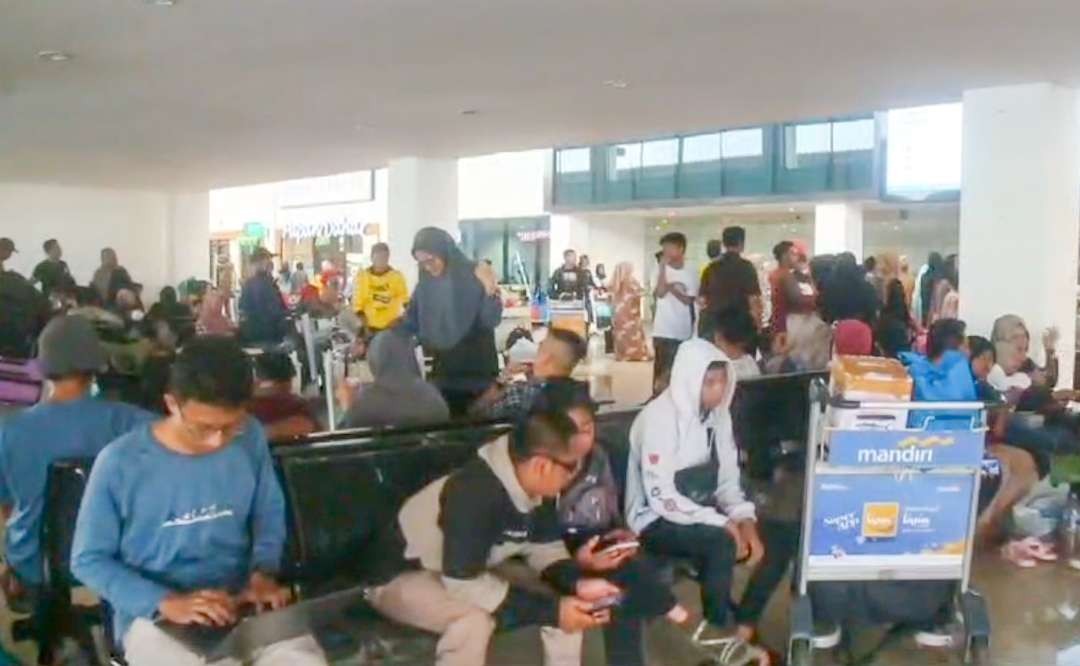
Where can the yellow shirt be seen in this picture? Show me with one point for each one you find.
(381, 299)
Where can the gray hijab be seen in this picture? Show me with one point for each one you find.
(449, 305)
(398, 397)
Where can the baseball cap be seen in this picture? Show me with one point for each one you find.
(68, 346)
(8, 244)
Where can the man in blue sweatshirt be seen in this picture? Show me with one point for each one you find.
(183, 519)
(68, 423)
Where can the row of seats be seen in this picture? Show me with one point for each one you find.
(342, 488)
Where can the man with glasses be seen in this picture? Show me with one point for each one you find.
(183, 520)
(450, 534)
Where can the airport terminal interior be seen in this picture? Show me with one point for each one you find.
(595, 332)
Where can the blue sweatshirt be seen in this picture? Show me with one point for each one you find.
(154, 521)
(33, 439)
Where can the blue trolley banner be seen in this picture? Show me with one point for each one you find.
(879, 517)
(908, 448)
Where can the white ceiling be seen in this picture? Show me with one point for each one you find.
(216, 92)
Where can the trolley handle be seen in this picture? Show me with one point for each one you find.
(841, 403)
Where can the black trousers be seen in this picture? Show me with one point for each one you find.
(646, 597)
(781, 541)
(712, 552)
(665, 356)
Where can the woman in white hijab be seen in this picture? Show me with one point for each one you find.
(683, 491)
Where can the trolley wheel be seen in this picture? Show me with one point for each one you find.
(978, 651)
(800, 653)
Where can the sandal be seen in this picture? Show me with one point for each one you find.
(1040, 550)
(1019, 554)
(729, 650)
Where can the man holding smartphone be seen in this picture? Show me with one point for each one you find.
(675, 293)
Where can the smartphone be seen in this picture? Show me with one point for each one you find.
(606, 603)
(614, 545)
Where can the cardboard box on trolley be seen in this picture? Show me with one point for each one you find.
(869, 379)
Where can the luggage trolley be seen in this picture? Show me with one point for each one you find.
(888, 505)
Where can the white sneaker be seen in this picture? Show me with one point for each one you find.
(826, 636)
(940, 636)
(726, 648)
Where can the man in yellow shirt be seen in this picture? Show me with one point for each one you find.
(381, 293)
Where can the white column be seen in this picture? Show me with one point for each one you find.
(1019, 211)
(838, 227)
(422, 193)
(567, 233)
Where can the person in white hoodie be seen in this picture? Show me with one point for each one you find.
(687, 426)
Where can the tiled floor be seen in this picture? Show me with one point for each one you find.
(1035, 613)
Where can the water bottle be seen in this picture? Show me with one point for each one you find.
(1070, 527)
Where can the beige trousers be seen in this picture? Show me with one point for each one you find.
(146, 645)
(419, 599)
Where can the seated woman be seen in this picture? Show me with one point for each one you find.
(943, 375)
(683, 493)
(1015, 371)
(399, 396)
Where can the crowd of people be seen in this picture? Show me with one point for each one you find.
(183, 519)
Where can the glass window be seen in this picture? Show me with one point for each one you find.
(742, 143)
(851, 135)
(701, 148)
(815, 138)
(573, 160)
(627, 156)
(664, 152)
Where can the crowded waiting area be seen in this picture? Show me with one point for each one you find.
(561, 334)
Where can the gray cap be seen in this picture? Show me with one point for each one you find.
(68, 346)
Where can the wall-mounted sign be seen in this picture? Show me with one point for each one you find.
(327, 190)
(256, 230)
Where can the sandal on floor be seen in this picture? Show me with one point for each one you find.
(1019, 554)
(729, 650)
(1040, 550)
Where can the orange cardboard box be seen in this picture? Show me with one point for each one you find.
(871, 378)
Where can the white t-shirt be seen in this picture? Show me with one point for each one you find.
(1004, 383)
(673, 317)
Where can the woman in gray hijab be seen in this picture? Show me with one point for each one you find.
(398, 397)
(454, 311)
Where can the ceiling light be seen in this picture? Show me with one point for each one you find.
(470, 112)
(54, 56)
(617, 84)
(160, 3)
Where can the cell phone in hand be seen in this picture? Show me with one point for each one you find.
(606, 603)
(612, 544)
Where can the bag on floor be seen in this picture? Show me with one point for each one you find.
(855, 604)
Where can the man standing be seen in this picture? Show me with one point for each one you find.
(226, 279)
(381, 293)
(568, 278)
(712, 253)
(676, 288)
(263, 316)
(731, 280)
(52, 272)
(23, 311)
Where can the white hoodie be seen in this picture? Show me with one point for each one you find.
(670, 435)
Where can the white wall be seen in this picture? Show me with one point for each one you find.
(84, 221)
(616, 239)
(188, 237)
(422, 193)
(502, 185)
(160, 238)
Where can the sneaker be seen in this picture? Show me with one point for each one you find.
(938, 636)
(726, 648)
(826, 636)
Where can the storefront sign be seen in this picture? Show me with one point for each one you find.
(315, 228)
(327, 190)
(255, 230)
(533, 236)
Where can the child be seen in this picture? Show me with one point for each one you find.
(183, 519)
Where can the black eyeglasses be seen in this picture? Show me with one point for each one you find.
(570, 468)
